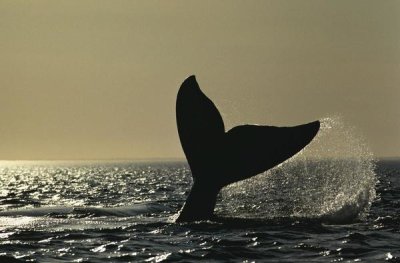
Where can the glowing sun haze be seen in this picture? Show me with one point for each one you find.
(98, 79)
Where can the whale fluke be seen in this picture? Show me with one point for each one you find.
(218, 158)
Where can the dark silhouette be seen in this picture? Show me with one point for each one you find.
(218, 158)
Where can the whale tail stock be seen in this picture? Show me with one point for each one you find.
(218, 158)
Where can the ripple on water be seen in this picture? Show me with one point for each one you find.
(106, 212)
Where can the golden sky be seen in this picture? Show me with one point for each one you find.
(98, 79)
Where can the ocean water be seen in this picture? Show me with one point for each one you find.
(123, 211)
(331, 202)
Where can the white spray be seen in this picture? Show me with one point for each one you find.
(332, 178)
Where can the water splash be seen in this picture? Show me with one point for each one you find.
(332, 178)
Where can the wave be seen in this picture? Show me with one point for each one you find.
(63, 211)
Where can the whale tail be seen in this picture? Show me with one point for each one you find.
(218, 158)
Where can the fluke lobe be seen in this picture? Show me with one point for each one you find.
(218, 158)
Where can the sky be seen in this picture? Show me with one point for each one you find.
(98, 79)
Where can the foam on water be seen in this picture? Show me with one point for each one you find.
(332, 178)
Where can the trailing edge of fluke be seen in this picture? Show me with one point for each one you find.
(218, 158)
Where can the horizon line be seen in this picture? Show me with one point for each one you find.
(141, 159)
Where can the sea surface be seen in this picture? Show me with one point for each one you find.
(326, 210)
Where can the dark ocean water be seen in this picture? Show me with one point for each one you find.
(123, 212)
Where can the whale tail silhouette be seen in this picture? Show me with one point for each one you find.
(218, 158)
